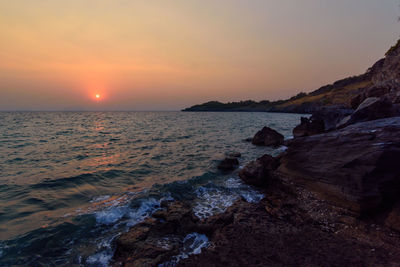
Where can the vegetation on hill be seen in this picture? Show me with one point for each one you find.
(336, 94)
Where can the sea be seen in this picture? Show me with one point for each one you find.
(72, 182)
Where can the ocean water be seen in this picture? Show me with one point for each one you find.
(71, 182)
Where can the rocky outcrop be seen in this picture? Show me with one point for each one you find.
(291, 227)
(267, 137)
(371, 108)
(389, 73)
(260, 171)
(309, 127)
(157, 239)
(321, 121)
(356, 167)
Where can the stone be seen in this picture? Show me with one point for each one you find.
(372, 108)
(228, 164)
(268, 137)
(259, 172)
(355, 167)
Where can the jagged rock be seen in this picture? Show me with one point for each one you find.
(153, 242)
(228, 164)
(321, 121)
(389, 73)
(259, 172)
(356, 167)
(309, 127)
(371, 108)
(268, 137)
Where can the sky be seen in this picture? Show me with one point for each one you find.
(171, 54)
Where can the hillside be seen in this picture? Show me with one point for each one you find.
(339, 94)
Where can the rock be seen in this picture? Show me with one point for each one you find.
(268, 137)
(372, 108)
(155, 241)
(259, 172)
(355, 167)
(228, 164)
(248, 140)
(377, 91)
(309, 127)
(389, 73)
(321, 121)
(357, 100)
(393, 219)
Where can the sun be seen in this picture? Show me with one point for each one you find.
(97, 96)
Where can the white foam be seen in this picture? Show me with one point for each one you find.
(110, 215)
(212, 201)
(146, 209)
(100, 198)
(100, 259)
(245, 191)
(193, 243)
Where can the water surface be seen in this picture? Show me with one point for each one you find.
(70, 182)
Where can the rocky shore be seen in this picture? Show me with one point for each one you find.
(332, 198)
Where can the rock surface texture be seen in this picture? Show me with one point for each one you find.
(260, 171)
(356, 167)
(268, 137)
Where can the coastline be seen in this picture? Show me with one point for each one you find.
(331, 197)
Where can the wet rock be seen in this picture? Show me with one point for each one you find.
(259, 172)
(268, 137)
(372, 108)
(248, 140)
(228, 164)
(157, 239)
(356, 167)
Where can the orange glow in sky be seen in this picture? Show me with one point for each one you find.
(168, 55)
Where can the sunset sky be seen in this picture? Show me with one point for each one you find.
(170, 54)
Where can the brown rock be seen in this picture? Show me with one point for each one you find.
(259, 172)
(356, 167)
(268, 137)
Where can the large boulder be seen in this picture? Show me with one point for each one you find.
(356, 167)
(371, 108)
(260, 171)
(268, 137)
